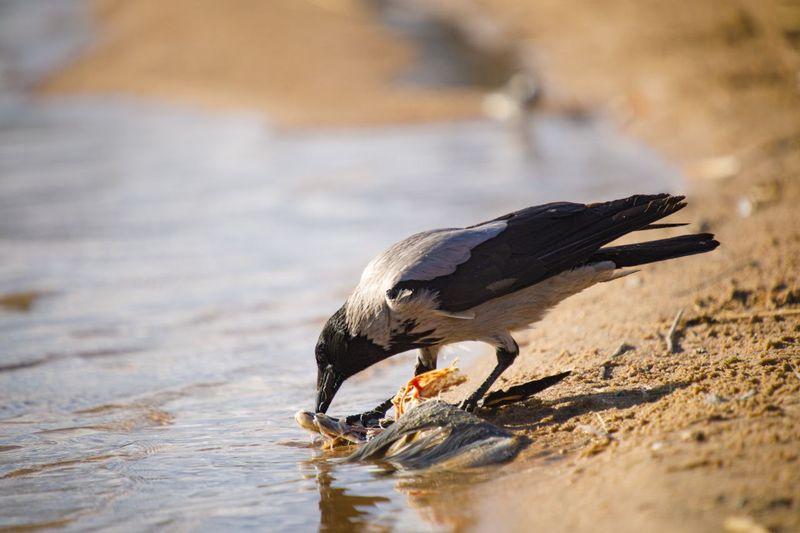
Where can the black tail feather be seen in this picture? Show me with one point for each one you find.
(607, 222)
(628, 255)
(664, 225)
(542, 241)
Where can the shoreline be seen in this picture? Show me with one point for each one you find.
(702, 439)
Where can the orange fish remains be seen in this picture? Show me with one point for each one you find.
(426, 386)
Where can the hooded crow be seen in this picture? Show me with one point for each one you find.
(484, 282)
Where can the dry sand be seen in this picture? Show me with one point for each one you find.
(707, 438)
(301, 62)
(704, 439)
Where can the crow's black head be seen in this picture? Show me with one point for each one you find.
(340, 354)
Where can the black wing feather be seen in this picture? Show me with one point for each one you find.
(540, 242)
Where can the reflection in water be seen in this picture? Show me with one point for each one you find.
(447, 500)
(339, 508)
(444, 499)
(344, 507)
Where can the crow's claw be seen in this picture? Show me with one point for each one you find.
(372, 417)
(368, 419)
(469, 405)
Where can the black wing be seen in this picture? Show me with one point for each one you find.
(540, 242)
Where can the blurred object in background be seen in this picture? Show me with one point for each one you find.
(518, 97)
(515, 103)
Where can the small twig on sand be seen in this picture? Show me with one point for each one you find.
(672, 345)
(602, 433)
(621, 349)
(606, 369)
(603, 423)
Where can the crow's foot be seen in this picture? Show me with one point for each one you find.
(372, 417)
(469, 405)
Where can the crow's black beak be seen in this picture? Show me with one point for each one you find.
(328, 382)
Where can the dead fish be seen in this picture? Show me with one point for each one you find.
(305, 419)
(339, 432)
(335, 431)
(438, 434)
(442, 436)
(334, 428)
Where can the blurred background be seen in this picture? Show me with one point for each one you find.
(189, 188)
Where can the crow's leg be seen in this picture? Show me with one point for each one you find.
(372, 417)
(507, 351)
(426, 361)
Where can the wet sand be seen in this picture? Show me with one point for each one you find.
(706, 438)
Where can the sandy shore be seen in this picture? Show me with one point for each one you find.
(303, 63)
(704, 439)
(707, 438)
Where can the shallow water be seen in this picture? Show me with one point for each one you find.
(177, 266)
